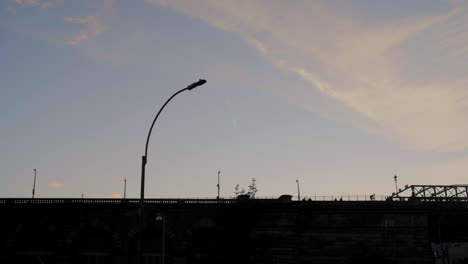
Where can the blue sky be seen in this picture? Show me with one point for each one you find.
(338, 94)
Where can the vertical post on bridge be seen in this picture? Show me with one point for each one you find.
(34, 184)
(217, 197)
(125, 188)
(298, 191)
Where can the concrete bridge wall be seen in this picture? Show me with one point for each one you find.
(227, 231)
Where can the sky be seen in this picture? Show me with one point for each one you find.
(341, 95)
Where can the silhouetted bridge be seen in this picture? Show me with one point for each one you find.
(73, 230)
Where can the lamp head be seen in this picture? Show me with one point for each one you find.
(196, 84)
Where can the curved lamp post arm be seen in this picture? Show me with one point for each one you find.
(190, 87)
(156, 118)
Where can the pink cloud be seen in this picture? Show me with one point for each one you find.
(94, 27)
(50, 4)
(358, 65)
(28, 3)
(55, 184)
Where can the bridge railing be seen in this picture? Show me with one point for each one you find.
(428, 199)
(326, 198)
(230, 200)
(350, 197)
(114, 201)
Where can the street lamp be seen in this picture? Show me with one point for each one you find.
(144, 159)
(396, 183)
(298, 191)
(34, 184)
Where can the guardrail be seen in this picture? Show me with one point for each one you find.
(131, 201)
(230, 200)
(355, 197)
(122, 201)
(110, 201)
(314, 198)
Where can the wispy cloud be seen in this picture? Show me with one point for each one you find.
(93, 27)
(26, 3)
(402, 74)
(50, 4)
(55, 184)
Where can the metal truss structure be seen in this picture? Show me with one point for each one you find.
(457, 192)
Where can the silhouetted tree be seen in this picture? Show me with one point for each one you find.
(238, 191)
(252, 188)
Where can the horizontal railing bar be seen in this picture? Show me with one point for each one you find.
(329, 198)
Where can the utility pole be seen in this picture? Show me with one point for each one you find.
(217, 197)
(298, 191)
(34, 184)
(396, 183)
(125, 188)
(81, 196)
